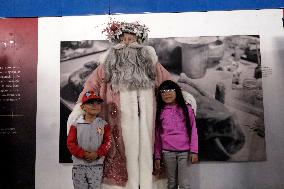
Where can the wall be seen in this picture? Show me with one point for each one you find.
(213, 175)
(41, 8)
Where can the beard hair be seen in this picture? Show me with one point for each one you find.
(129, 67)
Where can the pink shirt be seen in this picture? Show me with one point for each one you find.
(173, 136)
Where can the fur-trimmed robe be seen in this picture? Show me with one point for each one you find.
(129, 163)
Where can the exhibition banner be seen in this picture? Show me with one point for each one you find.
(18, 97)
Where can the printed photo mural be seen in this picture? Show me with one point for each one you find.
(223, 73)
(18, 102)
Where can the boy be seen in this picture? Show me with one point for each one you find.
(88, 141)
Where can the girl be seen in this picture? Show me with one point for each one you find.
(175, 135)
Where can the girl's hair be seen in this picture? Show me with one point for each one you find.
(168, 84)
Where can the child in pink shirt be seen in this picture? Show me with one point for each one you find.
(176, 139)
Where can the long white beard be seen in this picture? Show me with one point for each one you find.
(129, 67)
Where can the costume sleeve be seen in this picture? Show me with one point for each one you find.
(72, 143)
(194, 135)
(105, 146)
(189, 99)
(94, 81)
(157, 144)
(161, 74)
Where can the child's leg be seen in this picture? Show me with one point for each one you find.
(94, 176)
(183, 170)
(78, 177)
(170, 159)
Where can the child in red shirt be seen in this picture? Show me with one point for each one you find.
(88, 141)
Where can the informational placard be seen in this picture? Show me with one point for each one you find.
(18, 89)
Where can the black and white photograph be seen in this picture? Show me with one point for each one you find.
(223, 73)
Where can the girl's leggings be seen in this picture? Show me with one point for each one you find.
(177, 167)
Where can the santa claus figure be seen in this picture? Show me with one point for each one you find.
(126, 79)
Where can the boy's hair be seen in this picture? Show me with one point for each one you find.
(168, 84)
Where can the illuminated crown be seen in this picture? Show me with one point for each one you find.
(115, 29)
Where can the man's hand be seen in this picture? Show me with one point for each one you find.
(193, 158)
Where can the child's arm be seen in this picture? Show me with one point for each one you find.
(157, 144)
(105, 146)
(157, 152)
(72, 143)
